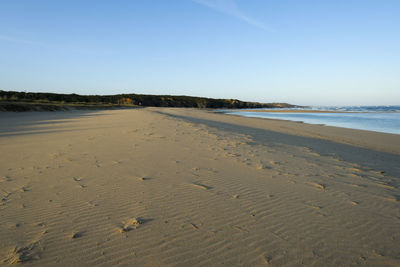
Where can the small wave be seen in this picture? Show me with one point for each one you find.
(358, 108)
(343, 108)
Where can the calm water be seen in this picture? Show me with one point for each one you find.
(373, 118)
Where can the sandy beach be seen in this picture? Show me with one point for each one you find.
(187, 187)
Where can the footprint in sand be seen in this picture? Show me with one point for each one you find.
(272, 162)
(76, 235)
(240, 229)
(316, 207)
(92, 204)
(378, 252)
(354, 170)
(194, 226)
(266, 259)
(30, 252)
(311, 152)
(318, 186)
(261, 167)
(233, 155)
(130, 225)
(97, 163)
(5, 179)
(24, 254)
(11, 226)
(380, 173)
(4, 197)
(24, 189)
(78, 180)
(201, 186)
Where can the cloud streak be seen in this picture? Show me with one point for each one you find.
(64, 48)
(20, 41)
(230, 8)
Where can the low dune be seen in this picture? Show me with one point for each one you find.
(187, 187)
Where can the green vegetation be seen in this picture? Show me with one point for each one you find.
(51, 100)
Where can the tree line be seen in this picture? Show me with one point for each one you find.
(136, 99)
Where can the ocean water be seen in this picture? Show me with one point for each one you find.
(372, 118)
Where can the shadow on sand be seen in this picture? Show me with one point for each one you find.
(382, 161)
(27, 123)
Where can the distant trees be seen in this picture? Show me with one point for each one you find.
(135, 99)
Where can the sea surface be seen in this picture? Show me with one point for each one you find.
(384, 119)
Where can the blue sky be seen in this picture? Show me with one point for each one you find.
(333, 52)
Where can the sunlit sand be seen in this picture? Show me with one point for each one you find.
(185, 187)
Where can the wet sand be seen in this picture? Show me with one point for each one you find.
(185, 187)
(290, 111)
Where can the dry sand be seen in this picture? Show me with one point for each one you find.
(179, 187)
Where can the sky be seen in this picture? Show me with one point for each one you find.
(306, 52)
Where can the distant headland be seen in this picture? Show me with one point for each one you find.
(27, 101)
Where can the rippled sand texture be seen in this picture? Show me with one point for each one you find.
(176, 187)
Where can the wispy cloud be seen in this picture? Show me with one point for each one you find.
(20, 41)
(230, 7)
(59, 47)
(16, 40)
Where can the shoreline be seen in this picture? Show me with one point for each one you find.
(349, 120)
(387, 142)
